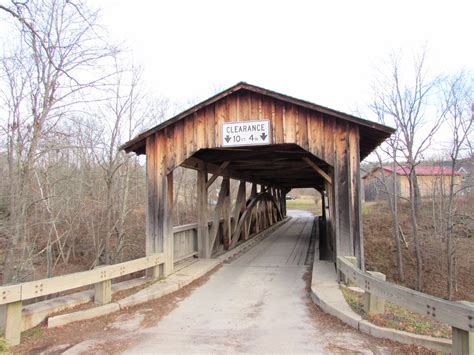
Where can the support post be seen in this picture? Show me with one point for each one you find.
(463, 342)
(283, 202)
(253, 193)
(215, 227)
(227, 219)
(342, 277)
(239, 205)
(103, 292)
(156, 272)
(151, 206)
(10, 316)
(168, 226)
(203, 229)
(323, 204)
(372, 303)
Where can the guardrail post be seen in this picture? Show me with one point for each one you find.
(463, 342)
(374, 304)
(103, 289)
(157, 272)
(344, 278)
(10, 318)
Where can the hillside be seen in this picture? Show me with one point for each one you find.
(380, 252)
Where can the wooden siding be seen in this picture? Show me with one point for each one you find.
(318, 133)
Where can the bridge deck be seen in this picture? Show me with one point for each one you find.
(258, 303)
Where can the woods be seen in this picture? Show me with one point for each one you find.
(68, 100)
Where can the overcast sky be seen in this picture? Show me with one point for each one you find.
(322, 51)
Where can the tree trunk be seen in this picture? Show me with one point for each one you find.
(414, 225)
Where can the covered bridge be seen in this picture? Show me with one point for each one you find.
(273, 141)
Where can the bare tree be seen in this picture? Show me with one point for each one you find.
(49, 69)
(122, 115)
(405, 102)
(457, 98)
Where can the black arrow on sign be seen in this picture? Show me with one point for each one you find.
(263, 136)
(227, 139)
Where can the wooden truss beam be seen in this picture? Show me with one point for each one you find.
(317, 169)
(217, 173)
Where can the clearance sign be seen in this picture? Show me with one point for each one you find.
(245, 133)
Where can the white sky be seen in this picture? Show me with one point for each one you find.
(321, 51)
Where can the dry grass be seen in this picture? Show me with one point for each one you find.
(380, 251)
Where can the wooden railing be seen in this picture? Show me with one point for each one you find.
(185, 241)
(12, 297)
(459, 315)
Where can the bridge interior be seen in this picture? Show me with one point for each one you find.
(279, 165)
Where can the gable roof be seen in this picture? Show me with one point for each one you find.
(374, 132)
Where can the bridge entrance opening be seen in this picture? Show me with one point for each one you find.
(270, 143)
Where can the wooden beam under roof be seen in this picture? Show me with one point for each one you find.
(318, 169)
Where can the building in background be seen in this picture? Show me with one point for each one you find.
(432, 180)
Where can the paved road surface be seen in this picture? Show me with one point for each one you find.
(255, 304)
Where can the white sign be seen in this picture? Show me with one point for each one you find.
(245, 133)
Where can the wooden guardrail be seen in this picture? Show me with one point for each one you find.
(460, 315)
(12, 297)
(185, 241)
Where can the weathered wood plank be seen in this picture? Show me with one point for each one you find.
(168, 242)
(170, 148)
(278, 123)
(226, 215)
(200, 134)
(289, 122)
(220, 117)
(202, 206)
(189, 136)
(233, 108)
(358, 236)
(57, 284)
(224, 191)
(185, 227)
(178, 142)
(302, 129)
(239, 204)
(244, 107)
(151, 206)
(9, 294)
(267, 115)
(210, 126)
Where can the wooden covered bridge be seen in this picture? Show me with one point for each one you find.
(272, 141)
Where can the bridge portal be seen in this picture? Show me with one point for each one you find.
(270, 143)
